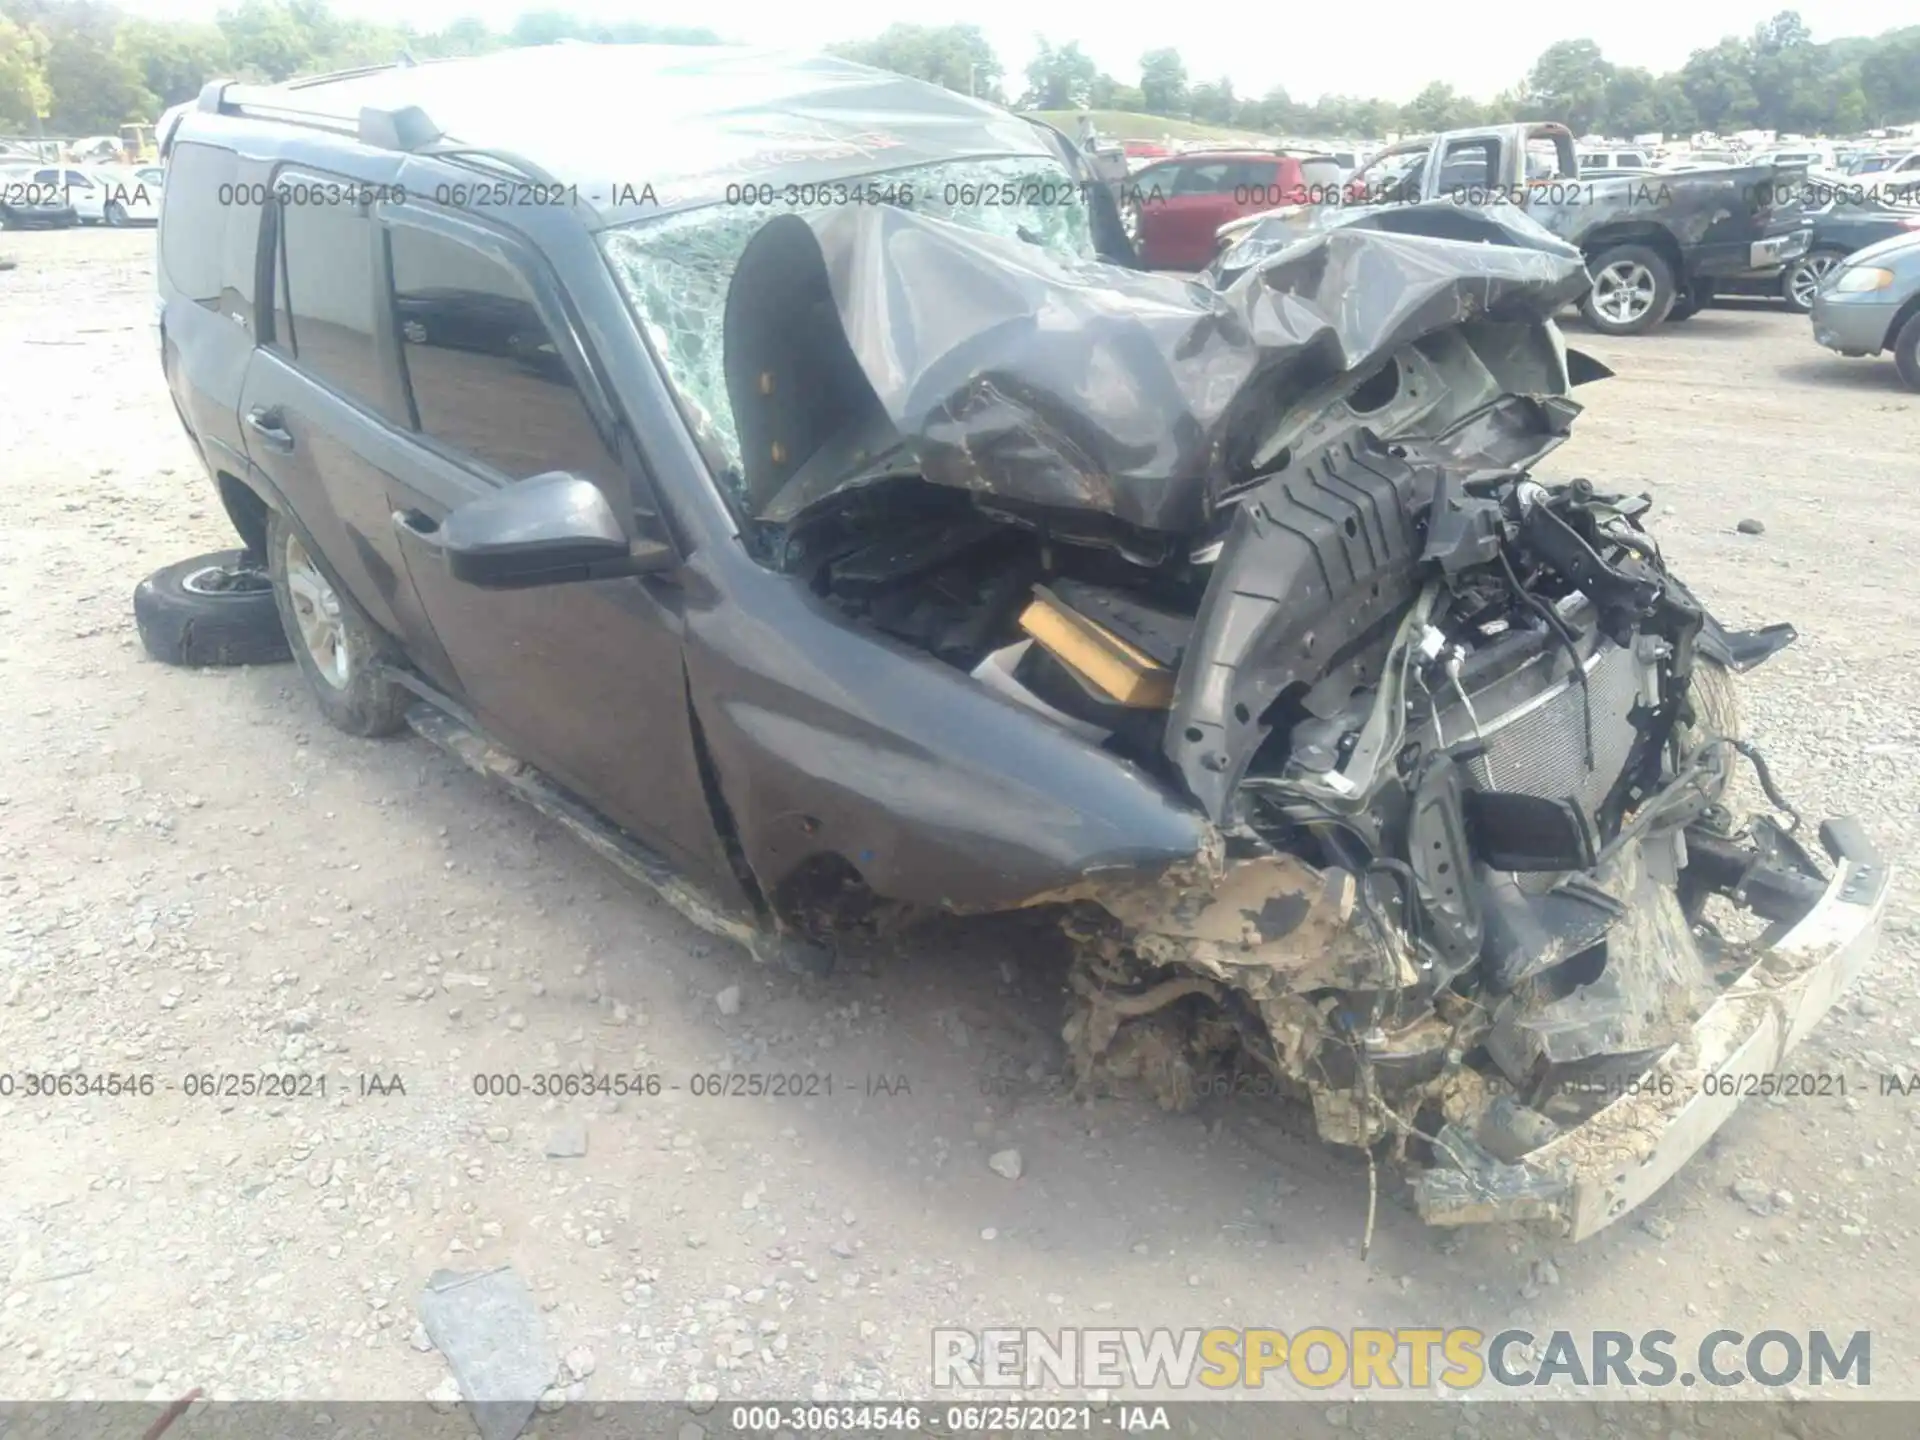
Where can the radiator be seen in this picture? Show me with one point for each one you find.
(1538, 747)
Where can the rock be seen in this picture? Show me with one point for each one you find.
(1754, 1195)
(419, 1339)
(1751, 527)
(728, 1000)
(1005, 1163)
(989, 1233)
(569, 1142)
(445, 1396)
(579, 1362)
(491, 1332)
(1659, 1227)
(1782, 1199)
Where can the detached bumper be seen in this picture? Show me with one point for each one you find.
(1588, 1177)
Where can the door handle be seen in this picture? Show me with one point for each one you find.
(417, 525)
(266, 423)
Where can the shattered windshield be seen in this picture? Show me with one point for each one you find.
(675, 270)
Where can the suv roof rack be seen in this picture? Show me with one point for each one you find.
(408, 128)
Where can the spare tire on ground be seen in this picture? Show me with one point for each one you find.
(212, 610)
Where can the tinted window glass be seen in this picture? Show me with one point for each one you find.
(193, 219)
(1469, 164)
(487, 378)
(1210, 178)
(327, 253)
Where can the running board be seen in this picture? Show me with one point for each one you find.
(612, 844)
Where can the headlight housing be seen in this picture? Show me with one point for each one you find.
(1860, 279)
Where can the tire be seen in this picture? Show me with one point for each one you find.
(1716, 700)
(336, 647)
(211, 610)
(1804, 276)
(1632, 290)
(1906, 352)
(115, 215)
(1715, 697)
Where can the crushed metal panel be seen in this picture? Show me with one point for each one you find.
(1065, 382)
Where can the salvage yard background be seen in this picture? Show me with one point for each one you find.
(198, 875)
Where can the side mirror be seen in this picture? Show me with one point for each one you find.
(549, 530)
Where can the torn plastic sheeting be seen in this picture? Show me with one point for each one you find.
(1023, 375)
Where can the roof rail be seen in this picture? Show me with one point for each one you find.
(349, 74)
(506, 159)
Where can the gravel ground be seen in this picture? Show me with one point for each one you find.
(198, 875)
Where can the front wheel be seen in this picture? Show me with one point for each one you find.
(1632, 292)
(115, 214)
(1906, 353)
(1803, 277)
(336, 647)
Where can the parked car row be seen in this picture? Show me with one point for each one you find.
(1655, 245)
(56, 195)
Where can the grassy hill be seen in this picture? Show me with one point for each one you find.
(1125, 125)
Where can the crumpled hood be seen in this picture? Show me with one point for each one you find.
(1010, 371)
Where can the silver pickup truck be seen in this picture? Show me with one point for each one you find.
(1655, 243)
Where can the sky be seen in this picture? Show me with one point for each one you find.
(1384, 51)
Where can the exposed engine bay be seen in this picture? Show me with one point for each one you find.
(1467, 746)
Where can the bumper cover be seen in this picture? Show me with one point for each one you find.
(1588, 1177)
(1853, 324)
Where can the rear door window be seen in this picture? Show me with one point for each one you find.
(488, 379)
(210, 229)
(325, 316)
(1212, 177)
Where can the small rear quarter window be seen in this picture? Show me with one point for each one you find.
(193, 220)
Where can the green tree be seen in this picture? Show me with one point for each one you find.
(1632, 102)
(1568, 83)
(1108, 93)
(1059, 78)
(1673, 107)
(174, 59)
(267, 40)
(462, 37)
(1163, 82)
(24, 93)
(95, 88)
(956, 56)
(1718, 83)
(1439, 107)
(1890, 78)
(1213, 102)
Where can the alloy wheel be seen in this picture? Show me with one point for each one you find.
(1806, 277)
(1624, 291)
(317, 615)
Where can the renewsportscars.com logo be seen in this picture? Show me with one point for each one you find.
(1369, 1359)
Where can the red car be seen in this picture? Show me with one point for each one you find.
(1172, 208)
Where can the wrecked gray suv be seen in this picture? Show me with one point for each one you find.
(827, 511)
